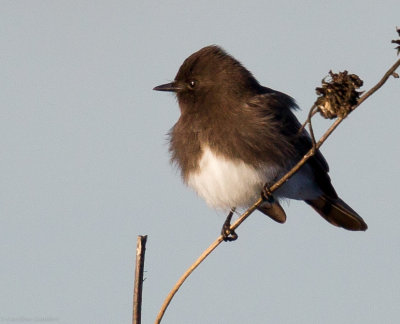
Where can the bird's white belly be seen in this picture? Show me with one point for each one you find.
(225, 183)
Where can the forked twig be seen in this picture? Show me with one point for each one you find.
(277, 184)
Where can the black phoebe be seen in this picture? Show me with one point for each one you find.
(234, 136)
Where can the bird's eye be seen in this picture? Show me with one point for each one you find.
(192, 84)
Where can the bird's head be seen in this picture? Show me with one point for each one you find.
(210, 75)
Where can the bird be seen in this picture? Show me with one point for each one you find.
(234, 138)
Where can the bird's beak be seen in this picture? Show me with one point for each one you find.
(173, 87)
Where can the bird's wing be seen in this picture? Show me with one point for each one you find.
(282, 106)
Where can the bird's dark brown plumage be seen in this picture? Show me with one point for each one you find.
(226, 110)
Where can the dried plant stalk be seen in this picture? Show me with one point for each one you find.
(138, 285)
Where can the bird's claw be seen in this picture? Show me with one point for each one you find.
(266, 194)
(228, 234)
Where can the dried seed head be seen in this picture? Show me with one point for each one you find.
(339, 95)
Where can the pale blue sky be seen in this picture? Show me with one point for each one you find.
(84, 165)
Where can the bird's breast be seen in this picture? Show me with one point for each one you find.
(225, 183)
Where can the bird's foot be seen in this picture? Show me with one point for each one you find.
(266, 194)
(227, 233)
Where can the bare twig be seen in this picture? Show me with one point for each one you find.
(311, 113)
(371, 91)
(138, 286)
(276, 185)
(211, 248)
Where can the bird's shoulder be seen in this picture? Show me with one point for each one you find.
(267, 98)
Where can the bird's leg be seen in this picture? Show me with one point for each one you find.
(226, 232)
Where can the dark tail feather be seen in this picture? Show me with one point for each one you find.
(338, 213)
(273, 210)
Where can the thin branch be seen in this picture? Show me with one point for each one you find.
(211, 248)
(313, 110)
(182, 279)
(138, 286)
(275, 186)
(376, 87)
(311, 113)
